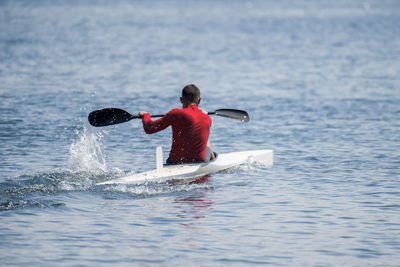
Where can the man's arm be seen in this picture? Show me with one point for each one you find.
(151, 126)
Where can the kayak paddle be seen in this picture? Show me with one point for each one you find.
(111, 116)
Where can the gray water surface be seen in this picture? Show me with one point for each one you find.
(320, 80)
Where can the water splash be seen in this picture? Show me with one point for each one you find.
(155, 189)
(38, 190)
(86, 154)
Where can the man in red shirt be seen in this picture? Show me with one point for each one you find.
(190, 129)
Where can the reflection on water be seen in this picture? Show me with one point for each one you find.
(193, 206)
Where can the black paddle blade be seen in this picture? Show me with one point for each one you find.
(236, 114)
(108, 116)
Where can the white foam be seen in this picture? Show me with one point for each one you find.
(86, 154)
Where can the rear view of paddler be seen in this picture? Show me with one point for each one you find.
(190, 129)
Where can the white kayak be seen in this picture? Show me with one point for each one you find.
(190, 171)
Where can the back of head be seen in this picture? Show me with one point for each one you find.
(191, 94)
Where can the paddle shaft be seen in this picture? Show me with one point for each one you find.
(111, 116)
(139, 117)
(162, 115)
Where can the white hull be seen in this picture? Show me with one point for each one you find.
(195, 170)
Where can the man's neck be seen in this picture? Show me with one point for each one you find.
(191, 104)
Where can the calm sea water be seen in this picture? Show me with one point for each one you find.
(320, 80)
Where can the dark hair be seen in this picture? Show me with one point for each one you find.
(190, 93)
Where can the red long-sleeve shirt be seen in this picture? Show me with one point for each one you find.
(190, 132)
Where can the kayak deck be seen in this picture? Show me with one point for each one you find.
(196, 170)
